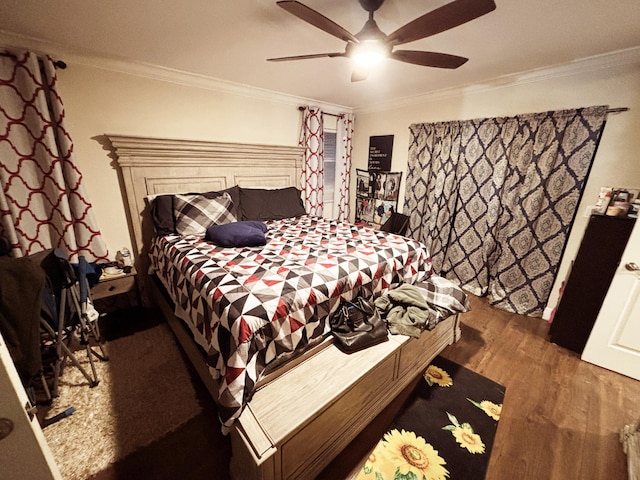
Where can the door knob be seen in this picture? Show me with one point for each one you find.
(632, 267)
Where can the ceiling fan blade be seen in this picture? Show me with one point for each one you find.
(304, 57)
(317, 20)
(429, 59)
(441, 19)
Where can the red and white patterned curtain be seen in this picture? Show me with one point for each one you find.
(42, 202)
(312, 179)
(344, 134)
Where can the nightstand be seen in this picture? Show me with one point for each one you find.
(111, 286)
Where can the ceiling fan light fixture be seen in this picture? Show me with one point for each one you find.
(369, 52)
(371, 45)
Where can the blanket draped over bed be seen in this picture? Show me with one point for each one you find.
(251, 307)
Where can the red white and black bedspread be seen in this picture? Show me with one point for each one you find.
(256, 305)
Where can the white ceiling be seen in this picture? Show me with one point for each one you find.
(230, 40)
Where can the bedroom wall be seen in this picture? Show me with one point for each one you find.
(99, 101)
(612, 80)
(104, 98)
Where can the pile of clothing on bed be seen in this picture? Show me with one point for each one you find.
(411, 309)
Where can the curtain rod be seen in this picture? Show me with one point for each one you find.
(56, 63)
(337, 115)
(301, 108)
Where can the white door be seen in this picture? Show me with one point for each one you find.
(24, 453)
(614, 342)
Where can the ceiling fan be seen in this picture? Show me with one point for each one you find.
(371, 45)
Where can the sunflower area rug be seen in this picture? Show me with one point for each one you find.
(445, 430)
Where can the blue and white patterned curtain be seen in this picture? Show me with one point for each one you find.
(495, 198)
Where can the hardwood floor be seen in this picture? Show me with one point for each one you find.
(561, 417)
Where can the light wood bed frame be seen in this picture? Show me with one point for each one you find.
(334, 395)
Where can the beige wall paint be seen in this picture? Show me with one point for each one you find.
(617, 161)
(99, 101)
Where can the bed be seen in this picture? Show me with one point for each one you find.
(253, 319)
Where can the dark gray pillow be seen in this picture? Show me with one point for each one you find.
(264, 204)
(162, 215)
(234, 193)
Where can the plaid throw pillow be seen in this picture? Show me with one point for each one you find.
(195, 213)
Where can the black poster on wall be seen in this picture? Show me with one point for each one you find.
(380, 148)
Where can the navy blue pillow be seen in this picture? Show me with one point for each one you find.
(237, 234)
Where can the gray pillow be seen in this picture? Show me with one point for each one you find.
(265, 204)
(162, 215)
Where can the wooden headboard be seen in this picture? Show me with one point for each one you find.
(151, 166)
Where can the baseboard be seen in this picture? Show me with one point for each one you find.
(548, 313)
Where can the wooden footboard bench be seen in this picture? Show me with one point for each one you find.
(334, 396)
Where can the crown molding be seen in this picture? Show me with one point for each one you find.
(154, 72)
(618, 58)
(163, 74)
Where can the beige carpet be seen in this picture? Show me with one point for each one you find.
(145, 391)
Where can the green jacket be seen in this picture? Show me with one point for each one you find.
(405, 310)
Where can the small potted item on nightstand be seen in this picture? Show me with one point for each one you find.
(123, 258)
(117, 278)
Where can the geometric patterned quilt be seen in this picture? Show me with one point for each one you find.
(258, 305)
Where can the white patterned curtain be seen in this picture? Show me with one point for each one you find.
(495, 198)
(344, 134)
(42, 202)
(312, 179)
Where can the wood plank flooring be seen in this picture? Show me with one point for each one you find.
(561, 417)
